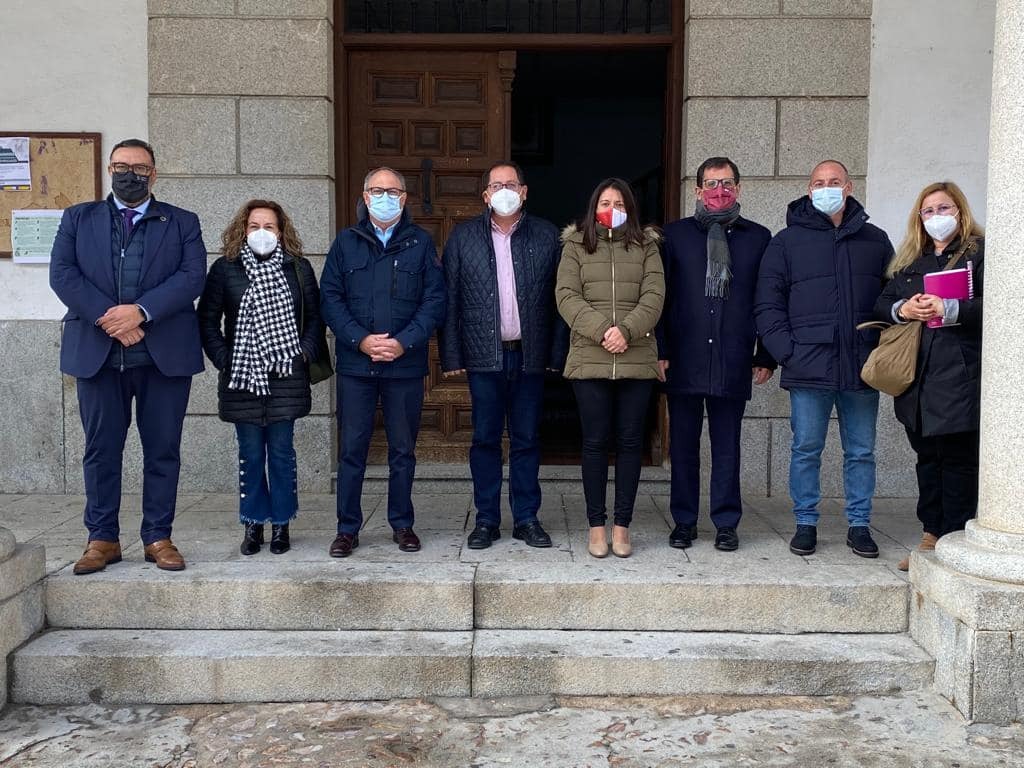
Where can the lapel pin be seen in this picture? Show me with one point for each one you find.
(163, 218)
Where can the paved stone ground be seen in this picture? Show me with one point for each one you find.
(207, 529)
(912, 729)
(909, 731)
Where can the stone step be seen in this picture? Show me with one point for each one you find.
(266, 595)
(518, 663)
(179, 666)
(182, 666)
(740, 595)
(777, 596)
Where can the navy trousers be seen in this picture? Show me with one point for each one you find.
(402, 401)
(513, 399)
(686, 422)
(105, 402)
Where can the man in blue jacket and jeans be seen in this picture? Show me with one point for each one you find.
(382, 294)
(708, 347)
(819, 278)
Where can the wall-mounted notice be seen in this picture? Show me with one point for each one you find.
(32, 235)
(15, 175)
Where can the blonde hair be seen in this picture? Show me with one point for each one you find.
(234, 235)
(917, 236)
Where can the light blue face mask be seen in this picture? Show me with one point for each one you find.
(828, 200)
(385, 208)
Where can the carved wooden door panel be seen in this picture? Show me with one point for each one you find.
(441, 119)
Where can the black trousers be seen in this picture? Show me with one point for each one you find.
(947, 480)
(686, 422)
(612, 414)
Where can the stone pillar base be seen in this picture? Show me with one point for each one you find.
(21, 598)
(973, 627)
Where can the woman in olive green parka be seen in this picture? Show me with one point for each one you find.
(610, 291)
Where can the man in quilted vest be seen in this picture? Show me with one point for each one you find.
(503, 332)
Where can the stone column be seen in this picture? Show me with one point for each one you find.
(969, 606)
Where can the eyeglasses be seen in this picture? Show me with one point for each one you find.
(943, 210)
(497, 186)
(821, 183)
(391, 192)
(715, 183)
(139, 169)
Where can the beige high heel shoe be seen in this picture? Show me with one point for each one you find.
(927, 545)
(620, 541)
(597, 546)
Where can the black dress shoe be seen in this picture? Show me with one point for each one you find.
(858, 538)
(726, 539)
(253, 539)
(482, 536)
(279, 539)
(804, 541)
(406, 539)
(682, 536)
(532, 535)
(343, 544)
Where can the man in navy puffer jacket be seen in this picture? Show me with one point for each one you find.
(819, 278)
(382, 293)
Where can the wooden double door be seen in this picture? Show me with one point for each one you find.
(441, 119)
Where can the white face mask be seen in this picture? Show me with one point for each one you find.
(505, 202)
(941, 227)
(262, 241)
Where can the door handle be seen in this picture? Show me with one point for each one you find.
(426, 167)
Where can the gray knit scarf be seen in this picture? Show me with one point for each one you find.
(266, 336)
(719, 273)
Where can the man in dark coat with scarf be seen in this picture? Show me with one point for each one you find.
(819, 278)
(708, 347)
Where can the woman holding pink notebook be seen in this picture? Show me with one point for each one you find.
(936, 279)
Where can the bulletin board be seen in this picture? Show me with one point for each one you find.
(65, 168)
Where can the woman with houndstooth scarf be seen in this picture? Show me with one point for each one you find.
(260, 323)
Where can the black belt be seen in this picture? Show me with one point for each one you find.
(512, 345)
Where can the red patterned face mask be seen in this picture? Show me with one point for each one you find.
(719, 198)
(611, 217)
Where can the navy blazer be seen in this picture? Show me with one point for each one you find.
(710, 343)
(173, 274)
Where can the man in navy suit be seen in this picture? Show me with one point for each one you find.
(129, 268)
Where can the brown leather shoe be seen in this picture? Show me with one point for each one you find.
(343, 544)
(98, 555)
(406, 539)
(165, 555)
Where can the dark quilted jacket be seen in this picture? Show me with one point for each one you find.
(289, 396)
(470, 338)
(816, 283)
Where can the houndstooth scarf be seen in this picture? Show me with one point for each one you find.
(266, 337)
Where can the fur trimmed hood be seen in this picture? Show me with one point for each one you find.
(572, 232)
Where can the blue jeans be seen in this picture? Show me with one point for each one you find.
(513, 398)
(267, 481)
(809, 414)
(402, 401)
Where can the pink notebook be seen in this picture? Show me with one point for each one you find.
(947, 284)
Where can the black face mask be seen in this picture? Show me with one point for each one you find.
(129, 187)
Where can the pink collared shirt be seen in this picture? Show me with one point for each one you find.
(508, 303)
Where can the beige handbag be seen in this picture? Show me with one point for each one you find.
(892, 365)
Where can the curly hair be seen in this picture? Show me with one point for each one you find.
(234, 235)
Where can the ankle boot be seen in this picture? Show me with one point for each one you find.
(279, 540)
(253, 538)
(927, 544)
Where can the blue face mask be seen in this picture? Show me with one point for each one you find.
(384, 208)
(828, 200)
